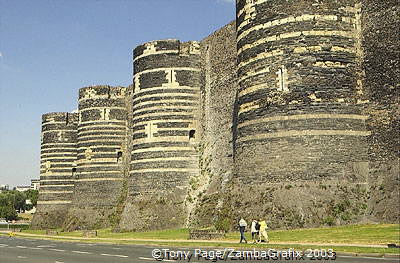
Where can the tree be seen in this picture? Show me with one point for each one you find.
(8, 212)
(19, 201)
(5, 200)
(15, 200)
(33, 196)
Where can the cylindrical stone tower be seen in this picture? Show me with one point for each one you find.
(57, 168)
(164, 124)
(101, 148)
(299, 121)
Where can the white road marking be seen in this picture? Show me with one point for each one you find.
(3, 245)
(109, 255)
(153, 259)
(58, 262)
(20, 246)
(81, 252)
(21, 257)
(37, 248)
(46, 246)
(58, 250)
(116, 248)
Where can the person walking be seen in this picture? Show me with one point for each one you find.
(263, 231)
(254, 230)
(242, 228)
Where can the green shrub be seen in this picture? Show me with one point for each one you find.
(330, 221)
(223, 225)
(345, 216)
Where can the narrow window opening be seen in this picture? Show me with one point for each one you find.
(192, 134)
(281, 80)
(119, 157)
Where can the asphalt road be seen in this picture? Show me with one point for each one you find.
(46, 251)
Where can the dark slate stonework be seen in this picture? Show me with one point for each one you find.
(290, 113)
(299, 123)
(164, 158)
(382, 72)
(99, 178)
(219, 89)
(58, 150)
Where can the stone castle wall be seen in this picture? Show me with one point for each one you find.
(290, 113)
(301, 134)
(380, 31)
(165, 133)
(219, 90)
(58, 157)
(102, 133)
(297, 77)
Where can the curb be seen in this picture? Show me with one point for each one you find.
(372, 255)
(392, 256)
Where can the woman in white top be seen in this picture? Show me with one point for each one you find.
(254, 231)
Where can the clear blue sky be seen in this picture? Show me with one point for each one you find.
(51, 48)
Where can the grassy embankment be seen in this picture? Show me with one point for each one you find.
(339, 237)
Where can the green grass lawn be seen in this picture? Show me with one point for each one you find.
(354, 234)
(172, 234)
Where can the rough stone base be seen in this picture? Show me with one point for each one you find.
(153, 212)
(49, 219)
(88, 218)
(292, 205)
(384, 185)
(208, 211)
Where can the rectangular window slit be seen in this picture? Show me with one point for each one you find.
(192, 134)
(119, 157)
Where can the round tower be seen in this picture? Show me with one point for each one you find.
(57, 167)
(298, 118)
(100, 170)
(164, 123)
